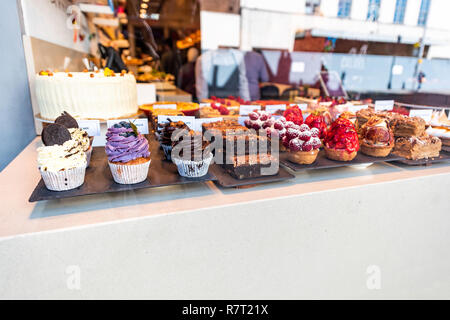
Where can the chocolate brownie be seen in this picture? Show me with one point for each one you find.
(249, 166)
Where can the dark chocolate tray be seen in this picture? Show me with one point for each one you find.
(446, 148)
(225, 180)
(322, 162)
(443, 156)
(99, 179)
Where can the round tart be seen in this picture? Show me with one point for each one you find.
(377, 138)
(341, 142)
(303, 157)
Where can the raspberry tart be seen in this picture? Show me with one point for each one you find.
(304, 144)
(294, 114)
(341, 142)
(317, 120)
(377, 138)
(263, 120)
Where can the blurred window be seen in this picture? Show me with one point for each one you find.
(423, 12)
(400, 8)
(311, 6)
(374, 10)
(344, 8)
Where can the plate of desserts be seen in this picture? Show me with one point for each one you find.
(70, 167)
(243, 157)
(359, 139)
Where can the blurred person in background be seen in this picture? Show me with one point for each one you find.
(186, 75)
(256, 73)
(170, 59)
(112, 58)
(221, 73)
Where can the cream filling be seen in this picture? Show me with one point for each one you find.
(56, 158)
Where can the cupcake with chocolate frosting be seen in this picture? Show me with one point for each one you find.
(128, 153)
(166, 136)
(191, 153)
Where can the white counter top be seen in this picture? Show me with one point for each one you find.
(310, 237)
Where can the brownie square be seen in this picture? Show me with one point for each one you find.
(249, 166)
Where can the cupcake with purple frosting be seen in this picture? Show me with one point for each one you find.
(128, 153)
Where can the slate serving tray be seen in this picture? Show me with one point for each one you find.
(99, 179)
(322, 162)
(443, 156)
(227, 181)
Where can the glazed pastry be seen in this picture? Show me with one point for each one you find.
(377, 139)
(341, 142)
(364, 115)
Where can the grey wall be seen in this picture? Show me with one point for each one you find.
(16, 116)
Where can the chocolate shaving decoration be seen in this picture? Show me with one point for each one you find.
(67, 120)
(55, 134)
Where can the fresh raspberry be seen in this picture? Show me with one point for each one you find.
(272, 132)
(289, 124)
(263, 116)
(307, 146)
(315, 132)
(295, 144)
(282, 133)
(282, 119)
(253, 116)
(305, 135)
(316, 143)
(224, 110)
(256, 126)
(292, 133)
(303, 127)
(248, 123)
(285, 141)
(269, 123)
(278, 125)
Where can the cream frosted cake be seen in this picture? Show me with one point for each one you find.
(86, 95)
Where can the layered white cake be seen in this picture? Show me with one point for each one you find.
(86, 95)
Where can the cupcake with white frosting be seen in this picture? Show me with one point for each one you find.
(84, 142)
(62, 166)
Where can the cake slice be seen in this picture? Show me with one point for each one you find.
(416, 148)
(404, 126)
(250, 166)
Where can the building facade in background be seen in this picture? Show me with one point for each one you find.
(275, 24)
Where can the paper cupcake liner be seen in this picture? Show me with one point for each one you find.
(193, 169)
(129, 174)
(167, 151)
(88, 156)
(64, 180)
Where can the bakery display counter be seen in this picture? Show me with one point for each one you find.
(314, 236)
(177, 95)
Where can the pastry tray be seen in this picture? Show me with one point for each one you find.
(443, 156)
(99, 179)
(446, 148)
(224, 179)
(322, 162)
